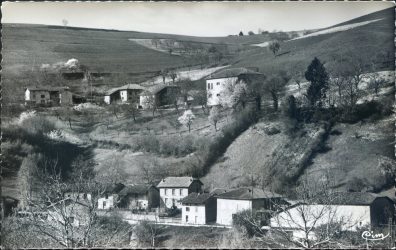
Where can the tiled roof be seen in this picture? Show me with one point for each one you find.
(125, 87)
(177, 182)
(135, 189)
(115, 188)
(232, 72)
(157, 88)
(218, 191)
(348, 198)
(246, 193)
(196, 198)
(44, 88)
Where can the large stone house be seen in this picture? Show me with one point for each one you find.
(50, 96)
(353, 210)
(128, 93)
(217, 82)
(140, 196)
(240, 199)
(160, 95)
(173, 189)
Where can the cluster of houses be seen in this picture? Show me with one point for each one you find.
(220, 206)
(144, 97)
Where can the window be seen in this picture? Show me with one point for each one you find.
(106, 196)
(208, 85)
(196, 209)
(211, 85)
(104, 204)
(218, 83)
(218, 95)
(187, 209)
(42, 96)
(85, 196)
(42, 101)
(180, 191)
(173, 191)
(210, 95)
(71, 219)
(166, 191)
(186, 218)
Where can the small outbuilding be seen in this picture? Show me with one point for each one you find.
(140, 196)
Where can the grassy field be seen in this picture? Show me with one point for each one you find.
(366, 41)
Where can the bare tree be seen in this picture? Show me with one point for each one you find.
(147, 232)
(164, 74)
(215, 116)
(375, 82)
(187, 119)
(150, 102)
(173, 76)
(274, 47)
(275, 85)
(65, 211)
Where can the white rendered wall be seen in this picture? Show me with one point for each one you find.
(214, 87)
(196, 215)
(226, 208)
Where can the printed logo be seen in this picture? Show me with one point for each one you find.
(369, 235)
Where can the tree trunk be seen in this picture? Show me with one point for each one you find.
(275, 100)
(70, 125)
(258, 103)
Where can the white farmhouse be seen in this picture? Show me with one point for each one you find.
(173, 189)
(128, 93)
(217, 82)
(110, 198)
(200, 208)
(238, 200)
(352, 210)
(52, 96)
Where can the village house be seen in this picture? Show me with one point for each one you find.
(173, 189)
(128, 93)
(51, 96)
(110, 199)
(245, 198)
(141, 196)
(160, 95)
(217, 82)
(353, 210)
(200, 208)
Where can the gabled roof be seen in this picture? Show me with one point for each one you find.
(114, 189)
(45, 88)
(218, 191)
(156, 89)
(125, 87)
(196, 198)
(349, 198)
(246, 193)
(135, 189)
(232, 72)
(177, 182)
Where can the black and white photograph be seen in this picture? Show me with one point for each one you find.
(197, 125)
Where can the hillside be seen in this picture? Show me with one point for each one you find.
(158, 143)
(373, 41)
